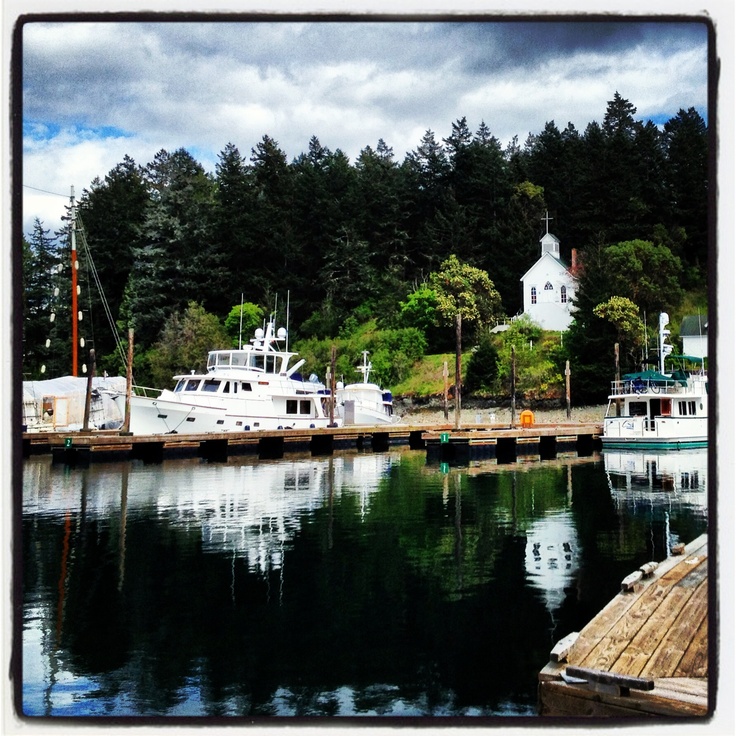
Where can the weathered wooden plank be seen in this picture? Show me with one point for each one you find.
(635, 657)
(612, 643)
(560, 699)
(561, 650)
(603, 641)
(671, 649)
(694, 663)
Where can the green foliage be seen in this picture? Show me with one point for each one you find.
(392, 353)
(648, 274)
(538, 373)
(466, 291)
(184, 343)
(623, 314)
(242, 321)
(482, 368)
(350, 240)
(420, 310)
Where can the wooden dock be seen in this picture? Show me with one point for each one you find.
(442, 442)
(645, 653)
(506, 444)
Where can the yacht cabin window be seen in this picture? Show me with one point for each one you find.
(192, 384)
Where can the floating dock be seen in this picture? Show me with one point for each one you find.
(442, 442)
(645, 653)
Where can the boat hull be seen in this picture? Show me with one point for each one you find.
(653, 444)
(659, 432)
(163, 416)
(364, 404)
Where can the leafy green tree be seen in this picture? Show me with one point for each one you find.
(463, 293)
(648, 274)
(420, 310)
(623, 314)
(242, 321)
(537, 372)
(184, 343)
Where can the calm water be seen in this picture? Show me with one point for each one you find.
(357, 585)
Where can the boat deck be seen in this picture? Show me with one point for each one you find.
(645, 653)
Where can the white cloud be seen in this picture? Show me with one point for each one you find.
(202, 85)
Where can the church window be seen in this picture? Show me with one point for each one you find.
(548, 286)
(563, 294)
(534, 294)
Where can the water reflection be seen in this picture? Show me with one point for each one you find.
(361, 584)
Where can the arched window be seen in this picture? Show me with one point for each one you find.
(534, 294)
(548, 286)
(563, 294)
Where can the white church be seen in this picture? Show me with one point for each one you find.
(548, 286)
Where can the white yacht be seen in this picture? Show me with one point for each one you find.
(251, 388)
(364, 403)
(655, 409)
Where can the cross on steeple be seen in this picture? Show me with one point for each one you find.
(546, 219)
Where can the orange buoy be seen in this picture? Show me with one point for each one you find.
(526, 418)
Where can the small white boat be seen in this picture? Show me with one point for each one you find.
(668, 411)
(364, 403)
(252, 388)
(661, 410)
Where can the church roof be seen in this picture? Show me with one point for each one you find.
(564, 265)
(694, 325)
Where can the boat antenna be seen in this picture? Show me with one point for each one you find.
(288, 295)
(240, 329)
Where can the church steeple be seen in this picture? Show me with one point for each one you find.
(550, 243)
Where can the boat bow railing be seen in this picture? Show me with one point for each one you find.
(644, 387)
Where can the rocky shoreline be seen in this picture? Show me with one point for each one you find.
(486, 413)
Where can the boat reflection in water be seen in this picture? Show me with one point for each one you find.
(253, 509)
(659, 483)
(371, 584)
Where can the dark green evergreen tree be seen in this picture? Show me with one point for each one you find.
(42, 297)
(686, 139)
(111, 214)
(234, 268)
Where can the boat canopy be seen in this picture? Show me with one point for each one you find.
(651, 377)
(691, 358)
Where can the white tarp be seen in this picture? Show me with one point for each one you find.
(58, 403)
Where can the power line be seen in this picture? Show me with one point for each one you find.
(45, 191)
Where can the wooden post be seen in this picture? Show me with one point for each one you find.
(458, 367)
(445, 376)
(88, 397)
(567, 388)
(333, 360)
(128, 383)
(513, 385)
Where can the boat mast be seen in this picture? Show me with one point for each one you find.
(75, 266)
(664, 348)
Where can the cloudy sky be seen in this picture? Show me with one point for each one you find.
(94, 92)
